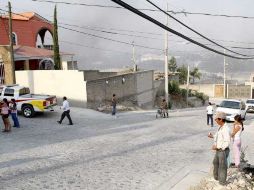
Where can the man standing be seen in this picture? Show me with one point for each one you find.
(221, 146)
(66, 111)
(113, 103)
(209, 110)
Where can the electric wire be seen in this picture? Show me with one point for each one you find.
(157, 34)
(152, 10)
(196, 32)
(110, 39)
(127, 43)
(97, 36)
(134, 10)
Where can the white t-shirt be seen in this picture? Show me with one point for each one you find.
(209, 109)
(66, 105)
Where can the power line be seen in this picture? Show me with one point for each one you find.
(210, 14)
(152, 10)
(104, 31)
(92, 28)
(92, 47)
(110, 39)
(108, 32)
(97, 36)
(196, 32)
(132, 9)
(158, 34)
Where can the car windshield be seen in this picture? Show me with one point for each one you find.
(250, 101)
(230, 104)
(24, 91)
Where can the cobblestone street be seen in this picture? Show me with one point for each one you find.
(132, 151)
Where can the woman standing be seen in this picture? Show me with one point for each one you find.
(236, 135)
(5, 115)
(14, 116)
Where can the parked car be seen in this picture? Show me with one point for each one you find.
(27, 103)
(232, 108)
(250, 105)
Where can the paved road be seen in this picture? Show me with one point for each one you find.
(133, 151)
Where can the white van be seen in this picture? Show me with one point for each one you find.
(232, 108)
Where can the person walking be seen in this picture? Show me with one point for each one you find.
(5, 115)
(236, 135)
(221, 146)
(113, 103)
(209, 110)
(66, 111)
(14, 113)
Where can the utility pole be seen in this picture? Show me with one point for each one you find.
(166, 61)
(11, 45)
(224, 77)
(133, 57)
(187, 85)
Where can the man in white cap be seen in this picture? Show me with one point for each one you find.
(221, 146)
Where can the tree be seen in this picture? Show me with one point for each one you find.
(172, 64)
(195, 74)
(183, 73)
(57, 60)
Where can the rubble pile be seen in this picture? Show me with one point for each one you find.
(236, 180)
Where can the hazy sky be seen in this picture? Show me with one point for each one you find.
(231, 29)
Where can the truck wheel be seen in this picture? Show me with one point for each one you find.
(28, 111)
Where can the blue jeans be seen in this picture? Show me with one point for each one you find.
(114, 110)
(15, 119)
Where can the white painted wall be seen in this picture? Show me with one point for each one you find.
(69, 83)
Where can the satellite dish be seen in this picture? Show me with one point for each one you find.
(47, 64)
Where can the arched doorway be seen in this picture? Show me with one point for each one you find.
(44, 39)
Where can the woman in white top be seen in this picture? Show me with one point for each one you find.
(236, 135)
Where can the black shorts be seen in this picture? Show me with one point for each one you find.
(5, 116)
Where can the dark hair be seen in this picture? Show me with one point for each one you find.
(6, 101)
(163, 100)
(64, 98)
(210, 103)
(114, 95)
(13, 100)
(239, 119)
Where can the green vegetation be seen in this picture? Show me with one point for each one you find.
(175, 90)
(57, 60)
(195, 74)
(172, 66)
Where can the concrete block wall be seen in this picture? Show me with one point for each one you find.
(96, 74)
(239, 91)
(134, 88)
(145, 89)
